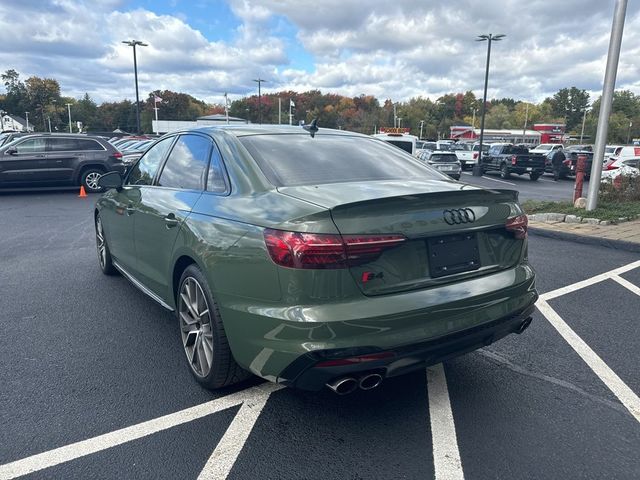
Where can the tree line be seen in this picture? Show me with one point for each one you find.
(42, 98)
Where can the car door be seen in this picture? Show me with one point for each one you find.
(25, 165)
(121, 206)
(61, 156)
(164, 207)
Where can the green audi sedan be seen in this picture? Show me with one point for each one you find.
(314, 257)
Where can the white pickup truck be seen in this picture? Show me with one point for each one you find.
(464, 152)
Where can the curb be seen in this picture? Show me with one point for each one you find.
(586, 239)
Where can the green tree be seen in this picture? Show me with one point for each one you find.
(570, 104)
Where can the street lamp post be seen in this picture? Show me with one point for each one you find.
(69, 110)
(26, 114)
(134, 44)
(421, 125)
(259, 81)
(477, 168)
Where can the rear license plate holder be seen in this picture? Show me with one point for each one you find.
(451, 254)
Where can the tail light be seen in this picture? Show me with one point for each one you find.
(117, 155)
(611, 166)
(514, 160)
(475, 155)
(518, 226)
(323, 251)
(566, 162)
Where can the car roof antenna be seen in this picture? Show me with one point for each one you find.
(312, 128)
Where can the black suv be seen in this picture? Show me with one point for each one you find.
(50, 160)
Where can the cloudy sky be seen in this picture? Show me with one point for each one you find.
(391, 49)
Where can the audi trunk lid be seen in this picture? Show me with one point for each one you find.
(452, 231)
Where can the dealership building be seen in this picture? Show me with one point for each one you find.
(541, 133)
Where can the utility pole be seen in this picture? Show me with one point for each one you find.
(477, 168)
(473, 120)
(259, 81)
(134, 44)
(69, 110)
(26, 114)
(629, 132)
(605, 104)
(421, 125)
(2, 112)
(526, 118)
(395, 116)
(49, 120)
(584, 118)
(279, 111)
(226, 106)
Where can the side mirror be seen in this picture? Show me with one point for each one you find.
(110, 180)
(11, 151)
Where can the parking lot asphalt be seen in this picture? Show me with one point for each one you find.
(545, 188)
(93, 383)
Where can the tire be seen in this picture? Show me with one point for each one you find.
(89, 179)
(504, 171)
(534, 176)
(202, 333)
(104, 255)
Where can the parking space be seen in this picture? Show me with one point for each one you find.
(94, 384)
(545, 188)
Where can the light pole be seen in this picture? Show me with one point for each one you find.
(629, 132)
(2, 112)
(421, 125)
(259, 81)
(26, 114)
(584, 118)
(69, 110)
(477, 168)
(134, 44)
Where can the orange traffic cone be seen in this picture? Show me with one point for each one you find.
(82, 192)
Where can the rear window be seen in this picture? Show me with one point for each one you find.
(291, 160)
(443, 158)
(406, 146)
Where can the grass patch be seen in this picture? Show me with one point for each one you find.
(606, 210)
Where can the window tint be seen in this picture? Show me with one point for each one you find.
(31, 145)
(406, 146)
(61, 144)
(443, 158)
(187, 163)
(88, 144)
(145, 170)
(298, 159)
(216, 178)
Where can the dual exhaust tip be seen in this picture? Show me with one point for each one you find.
(347, 385)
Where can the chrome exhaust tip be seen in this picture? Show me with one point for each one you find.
(344, 385)
(524, 325)
(370, 381)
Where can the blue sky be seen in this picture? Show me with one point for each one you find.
(393, 50)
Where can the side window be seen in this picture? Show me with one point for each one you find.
(88, 144)
(216, 178)
(61, 144)
(31, 145)
(187, 163)
(145, 170)
(494, 150)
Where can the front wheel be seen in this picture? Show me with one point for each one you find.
(504, 171)
(89, 180)
(104, 255)
(203, 337)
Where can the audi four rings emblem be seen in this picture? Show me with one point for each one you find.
(459, 215)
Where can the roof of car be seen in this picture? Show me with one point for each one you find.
(257, 129)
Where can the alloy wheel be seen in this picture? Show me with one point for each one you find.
(100, 243)
(92, 180)
(195, 326)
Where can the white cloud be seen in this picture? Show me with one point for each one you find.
(392, 50)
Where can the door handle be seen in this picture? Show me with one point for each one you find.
(171, 220)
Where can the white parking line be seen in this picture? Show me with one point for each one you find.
(589, 281)
(73, 451)
(626, 396)
(627, 284)
(493, 179)
(226, 453)
(446, 456)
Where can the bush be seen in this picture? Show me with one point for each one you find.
(621, 188)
